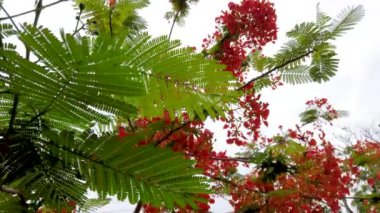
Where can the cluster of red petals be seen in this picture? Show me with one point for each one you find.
(254, 114)
(112, 3)
(366, 154)
(322, 103)
(318, 179)
(233, 55)
(254, 21)
(244, 28)
(194, 141)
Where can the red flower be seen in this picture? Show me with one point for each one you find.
(371, 181)
(112, 3)
(312, 142)
(122, 132)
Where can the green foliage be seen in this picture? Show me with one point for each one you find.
(297, 75)
(309, 116)
(113, 166)
(102, 18)
(6, 30)
(93, 79)
(74, 79)
(81, 82)
(180, 9)
(184, 81)
(92, 204)
(345, 21)
(309, 56)
(9, 203)
(57, 137)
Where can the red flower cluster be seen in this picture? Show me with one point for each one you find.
(190, 138)
(254, 114)
(364, 165)
(253, 21)
(112, 3)
(244, 28)
(316, 178)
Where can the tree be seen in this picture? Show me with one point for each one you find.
(109, 108)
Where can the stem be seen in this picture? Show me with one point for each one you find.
(31, 11)
(172, 131)
(224, 180)
(240, 159)
(13, 115)
(138, 207)
(38, 12)
(37, 116)
(36, 17)
(347, 206)
(16, 192)
(274, 69)
(9, 17)
(130, 125)
(81, 8)
(110, 22)
(79, 29)
(174, 21)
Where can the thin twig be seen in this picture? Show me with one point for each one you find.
(36, 17)
(13, 115)
(38, 13)
(31, 11)
(172, 131)
(16, 192)
(224, 180)
(347, 206)
(37, 116)
(138, 207)
(110, 22)
(10, 18)
(174, 21)
(240, 159)
(130, 125)
(81, 8)
(79, 29)
(274, 69)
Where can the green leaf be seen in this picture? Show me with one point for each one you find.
(76, 81)
(324, 64)
(346, 20)
(322, 19)
(123, 17)
(297, 75)
(177, 80)
(309, 116)
(281, 193)
(92, 204)
(146, 173)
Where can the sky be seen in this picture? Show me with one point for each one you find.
(355, 88)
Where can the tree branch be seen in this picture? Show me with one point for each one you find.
(31, 11)
(130, 125)
(110, 22)
(275, 68)
(240, 159)
(174, 21)
(10, 18)
(81, 8)
(16, 192)
(172, 131)
(347, 206)
(13, 115)
(138, 207)
(36, 17)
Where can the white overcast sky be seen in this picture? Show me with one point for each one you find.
(355, 87)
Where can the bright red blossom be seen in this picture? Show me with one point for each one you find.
(243, 29)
